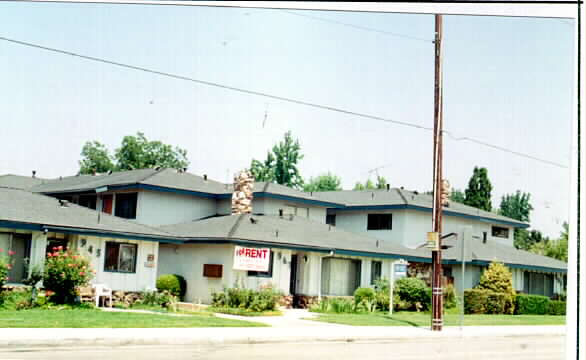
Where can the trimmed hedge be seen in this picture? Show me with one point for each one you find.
(364, 294)
(174, 284)
(483, 301)
(556, 307)
(413, 293)
(531, 304)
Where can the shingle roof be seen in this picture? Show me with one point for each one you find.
(292, 231)
(20, 182)
(20, 206)
(408, 199)
(480, 252)
(169, 178)
(304, 233)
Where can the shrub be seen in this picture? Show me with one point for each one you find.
(336, 305)
(5, 266)
(497, 278)
(364, 294)
(65, 271)
(174, 284)
(483, 301)
(414, 292)
(450, 300)
(164, 298)
(556, 307)
(264, 299)
(382, 293)
(531, 304)
(15, 300)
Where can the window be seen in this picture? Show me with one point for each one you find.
(297, 211)
(88, 201)
(120, 257)
(267, 274)
(501, 232)
(331, 219)
(375, 271)
(380, 222)
(126, 205)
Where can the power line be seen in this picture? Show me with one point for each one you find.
(276, 97)
(359, 27)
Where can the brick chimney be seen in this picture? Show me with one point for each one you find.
(242, 195)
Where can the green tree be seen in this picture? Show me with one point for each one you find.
(557, 249)
(381, 183)
(324, 182)
(525, 239)
(479, 188)
(280, 165)
(498, 278)
(516, 206)
(137, 152)
(457, 196)
(95, 158)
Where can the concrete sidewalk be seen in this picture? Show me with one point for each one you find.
(22, 338)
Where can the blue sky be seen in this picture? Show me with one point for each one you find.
(507, 81)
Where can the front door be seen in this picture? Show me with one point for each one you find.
(293, 278)
(21, 246)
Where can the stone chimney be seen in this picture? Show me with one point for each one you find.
(242, 195)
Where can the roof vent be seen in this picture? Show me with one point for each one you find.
(402, 188)
(277, 233)
(184, 169)
(372, 195)
(205, 177)
(157, 168)
(60, 177)
(280, 212)
(253, 220)
(415, 192)
(63, 203)
(34, 174)
(388, 187)
(109, 172)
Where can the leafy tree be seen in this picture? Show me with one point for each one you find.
(557, 249)
(95, 158)
(525, 239)
(457, 196)
(137, 152)
(498, 278)
(516, 206)
(280, 166)
(478, 192)
(381, 183)
(324, 182)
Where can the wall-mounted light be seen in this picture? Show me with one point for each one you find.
(279, 256)
(305, 258)
(83, 242)
(90, 249)
(98, 252)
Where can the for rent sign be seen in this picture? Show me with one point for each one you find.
(252, 259)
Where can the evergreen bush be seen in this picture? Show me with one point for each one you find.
(556, 307)
(498, 278)
(531, 304)
(174, 284)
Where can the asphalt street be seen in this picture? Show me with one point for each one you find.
(479, 348)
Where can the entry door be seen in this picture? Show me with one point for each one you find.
(293, 279)
(21, 245)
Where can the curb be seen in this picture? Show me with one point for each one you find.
(215, 336)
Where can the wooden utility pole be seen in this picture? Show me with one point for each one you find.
(436, 283)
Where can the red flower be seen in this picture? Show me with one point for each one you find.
(60, 247)
(1, 251)
(49, 254)
(82, 273)
(55, 248)
(10, 252)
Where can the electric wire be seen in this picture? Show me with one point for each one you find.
(275, 97)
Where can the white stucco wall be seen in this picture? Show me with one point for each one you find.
(163, 208)
(357, 221)
(144, 277)
(188, 261)
(410, 227)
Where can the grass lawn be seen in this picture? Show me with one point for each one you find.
(243, 312)
(82, 318)
(405, 318)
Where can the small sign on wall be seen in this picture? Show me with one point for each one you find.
(150, 261)
(252, 259)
